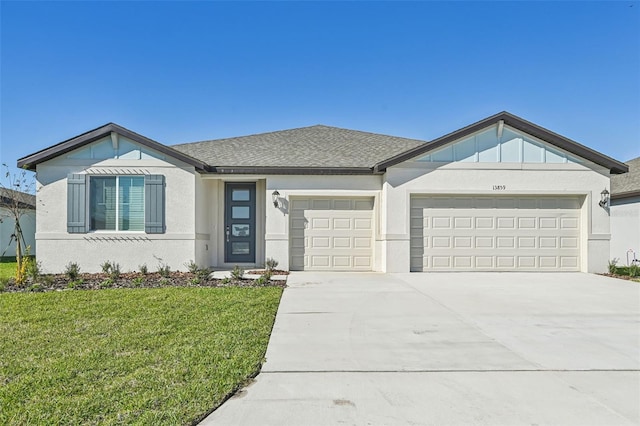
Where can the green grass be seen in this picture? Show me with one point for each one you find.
(147, 356)
(7, 270)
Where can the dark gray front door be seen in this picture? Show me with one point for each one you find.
(240, 223)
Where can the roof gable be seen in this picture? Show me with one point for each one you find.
(499, 144)
(514, 122)
(102, 134)
(114, 146)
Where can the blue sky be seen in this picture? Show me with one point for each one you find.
(188, 71)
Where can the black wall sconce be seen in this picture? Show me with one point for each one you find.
(274, 197)
(604, 198)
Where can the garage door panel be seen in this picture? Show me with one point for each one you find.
(484, 262)
(341, 261)
(537, 233)
(338, 234)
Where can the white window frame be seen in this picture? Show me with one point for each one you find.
(104, 231)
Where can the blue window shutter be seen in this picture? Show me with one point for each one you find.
(76, 204)
(154, 204)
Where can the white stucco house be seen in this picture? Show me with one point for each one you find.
(625, 214)
(27, 204)
(501, 194)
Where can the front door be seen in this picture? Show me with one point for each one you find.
(240, 223)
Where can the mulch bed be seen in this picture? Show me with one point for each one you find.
(622, 277)
(60, 282)
(273, 272)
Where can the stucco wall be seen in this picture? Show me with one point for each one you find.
(459, 178)
(56, 247)
(625, 229)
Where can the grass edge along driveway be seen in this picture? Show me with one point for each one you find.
(148, 356)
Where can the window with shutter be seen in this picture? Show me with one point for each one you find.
(116, 203)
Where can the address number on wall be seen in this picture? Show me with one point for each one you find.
(499, 187)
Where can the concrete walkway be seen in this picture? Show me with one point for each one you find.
(456, 348)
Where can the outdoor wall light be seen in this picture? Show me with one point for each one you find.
(274, 196)
(604, 198)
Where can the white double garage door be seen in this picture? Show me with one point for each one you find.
(448, 233)
(495, 233)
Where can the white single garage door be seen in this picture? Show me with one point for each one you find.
(460, 233)
(331, 234)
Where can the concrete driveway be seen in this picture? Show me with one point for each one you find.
(454, 348)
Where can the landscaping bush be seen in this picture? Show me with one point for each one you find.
(72, 270)
(237, 273)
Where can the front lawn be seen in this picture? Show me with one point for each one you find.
(7, 270)
(121, 356)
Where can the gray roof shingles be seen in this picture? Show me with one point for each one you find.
(315, 146)
(627, 183)
(9, 196)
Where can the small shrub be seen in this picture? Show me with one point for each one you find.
(143, 269)
(46, 280)
(32, 269)
(261, 280)
(613, 268)
(270, 264)
(21, 272)
(137, 281)
(634, 270)
(192, 267)
(75, 284)
(35, 287)
(226, 280)
(164, 270)
(237, 273)
(108, 283)
(112, 269)
(72, 270)
(115, 271)
(195, 281)
(203, 273)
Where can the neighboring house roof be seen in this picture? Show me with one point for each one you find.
(315, 147)
(30, 161)
(9, 196)
(628, 184)
(517, 123)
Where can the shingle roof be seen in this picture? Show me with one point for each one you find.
(627, 184)
(9, 196)
(314, 146)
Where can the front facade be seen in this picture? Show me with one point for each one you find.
(499, 195)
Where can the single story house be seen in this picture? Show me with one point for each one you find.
(502, 194)
(27, 206)
(625, 214)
